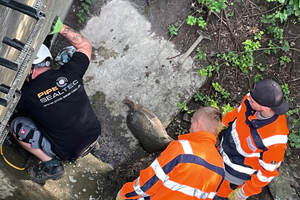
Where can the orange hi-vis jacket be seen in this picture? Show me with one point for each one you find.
(189, 168)
(252, 148)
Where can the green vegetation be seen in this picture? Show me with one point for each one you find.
(270, 41)
(213, 5)
(180, 130)
(284, 59)
(84, 11)
(184, 107)
(173, 28)
(294, 136)
(201, 55)
(191, 20)
(220, 95)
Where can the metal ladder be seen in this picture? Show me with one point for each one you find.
(12, 92)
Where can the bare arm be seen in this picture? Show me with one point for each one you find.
(77, 40)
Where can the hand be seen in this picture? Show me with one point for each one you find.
(119, 196)
(237, 194)
(56, 26)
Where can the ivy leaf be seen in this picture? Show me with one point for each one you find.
(286, 46)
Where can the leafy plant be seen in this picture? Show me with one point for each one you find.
(251, 45)
(287, 8)
(294, 136)
(259, 66)
(84, 11)
(184, 107)
(215, 99)
(286, 46)
(258, 77)
(284, 59)
(258, 35)
(285, 90)
(201, 55)
(181, 130)
(293, 7)
(209, 70)
(272, 48)
(173, 28)
(293, 111)
(226, 108)
(191, 20)
(294, 139)
(225, 94)
(198, 97)
(214, 5)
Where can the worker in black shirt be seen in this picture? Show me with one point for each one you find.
(62, 124)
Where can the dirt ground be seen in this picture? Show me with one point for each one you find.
(227, 35)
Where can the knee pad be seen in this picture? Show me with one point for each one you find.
(26, 131)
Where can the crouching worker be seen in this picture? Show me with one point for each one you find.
(189, 168)
(62, 124)
(254, 144)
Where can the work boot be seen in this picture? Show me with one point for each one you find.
(52, 169)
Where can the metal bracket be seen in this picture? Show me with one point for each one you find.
(3, 125)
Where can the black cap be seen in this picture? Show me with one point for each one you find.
(269, 93)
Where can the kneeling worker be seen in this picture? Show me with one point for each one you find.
(189, 168)
(60, 123)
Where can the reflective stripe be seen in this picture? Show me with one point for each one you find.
(236, 139)
(190, 191)
(239, 108)
(138, 190)
(236, 167)
(186, 146)
(159, 171)
(269, 167)
(276, 139)
(187, 190)
(263, 178)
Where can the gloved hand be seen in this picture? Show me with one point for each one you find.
(56, 25)
(119, 196)
(237, 194)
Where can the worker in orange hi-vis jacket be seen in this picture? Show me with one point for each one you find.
(189, 168)
(254, 144)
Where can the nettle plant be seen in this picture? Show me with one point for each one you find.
(84, 11)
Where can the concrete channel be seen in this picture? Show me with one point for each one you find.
(129, 61)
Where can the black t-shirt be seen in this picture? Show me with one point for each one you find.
(59, 105)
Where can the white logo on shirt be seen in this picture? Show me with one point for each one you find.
(61, 81)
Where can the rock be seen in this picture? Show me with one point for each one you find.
(280, 186)
(296, 175)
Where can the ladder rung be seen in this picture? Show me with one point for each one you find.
(4, 88)
(13, 43)
(3, 102)
(23, 8)
(8, 64)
